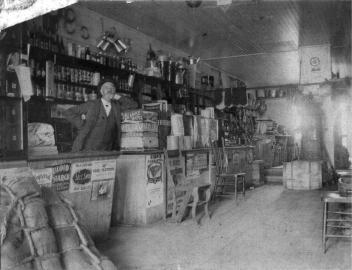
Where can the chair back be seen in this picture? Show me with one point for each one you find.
(220, 158)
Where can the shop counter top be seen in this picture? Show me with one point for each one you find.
(74, 155)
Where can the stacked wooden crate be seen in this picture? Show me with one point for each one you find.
(139, 130)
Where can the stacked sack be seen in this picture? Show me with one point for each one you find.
(40, 229)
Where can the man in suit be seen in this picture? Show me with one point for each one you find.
(97, 121)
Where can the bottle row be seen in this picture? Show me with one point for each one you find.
(45, 40)
(74, 75)
(66, 92)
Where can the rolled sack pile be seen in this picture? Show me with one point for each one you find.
(40, 229)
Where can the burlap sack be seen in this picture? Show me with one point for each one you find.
(41, 231)
(44, 241)
(34, 213)
(59, 215)
(106, 264)
(67, 238)
(77, 260)
(15, 249)
(20, 181)
(49, 263)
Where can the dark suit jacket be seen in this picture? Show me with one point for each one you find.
(91, 110)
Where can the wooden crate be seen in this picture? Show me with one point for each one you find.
(302, 175)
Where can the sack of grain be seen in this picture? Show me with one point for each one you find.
(67, 238)
(59, 241)
(50, 196)
(52, 262)
(40, 134)
(14, 250)
(34, 213)
(106, 264)
(59, 215)
(77, 260)
(20, 182)
(44, 241)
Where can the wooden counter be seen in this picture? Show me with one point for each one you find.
(93, 205)
(138, 190)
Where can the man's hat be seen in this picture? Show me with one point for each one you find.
(105, 80)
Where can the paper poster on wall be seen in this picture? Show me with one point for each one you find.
(81, 176)
(61, 176)
(103, 170)
(43, 177)
(315, 64)
(102, 190)
(154, 167)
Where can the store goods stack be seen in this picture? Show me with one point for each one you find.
(41, 140)
(139, 130)
(164, 123)
(40, 230)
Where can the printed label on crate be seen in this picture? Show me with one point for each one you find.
(101, 190)
(81, 176)
(43, 177)
(139, 134)
(154, 166)
(61, 177)
(139, 142)
(139, 115)
(104, 170)
(139, 127)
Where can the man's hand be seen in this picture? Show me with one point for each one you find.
(117, 97)
(83, 117)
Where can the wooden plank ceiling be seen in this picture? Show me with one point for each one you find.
(253, 40)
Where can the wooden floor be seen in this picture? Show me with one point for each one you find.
(272, 229)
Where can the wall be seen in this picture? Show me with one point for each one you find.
(279, 110)
(97, 24)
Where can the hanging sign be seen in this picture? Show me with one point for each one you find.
(81, 176)
(154, 171)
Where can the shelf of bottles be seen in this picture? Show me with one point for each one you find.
(76, 70)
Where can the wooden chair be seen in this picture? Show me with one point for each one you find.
(194, 196)
(225, 180)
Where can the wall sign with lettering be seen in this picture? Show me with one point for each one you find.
(61, 177)
(154, 173)
(81, 176)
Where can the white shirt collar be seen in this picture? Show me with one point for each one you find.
(105, 102)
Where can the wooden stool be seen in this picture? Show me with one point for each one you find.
(229, 180)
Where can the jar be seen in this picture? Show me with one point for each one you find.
(163, 65)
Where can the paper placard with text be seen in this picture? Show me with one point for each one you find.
(154, 172)
(44, 177)
(103, 170)
(81, 176)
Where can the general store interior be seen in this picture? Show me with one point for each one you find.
(236, 135)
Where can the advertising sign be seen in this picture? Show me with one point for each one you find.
(43, 177)
(154, 172)
(104, 170)
(61, 177)
(315, 64)
(81, 176)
